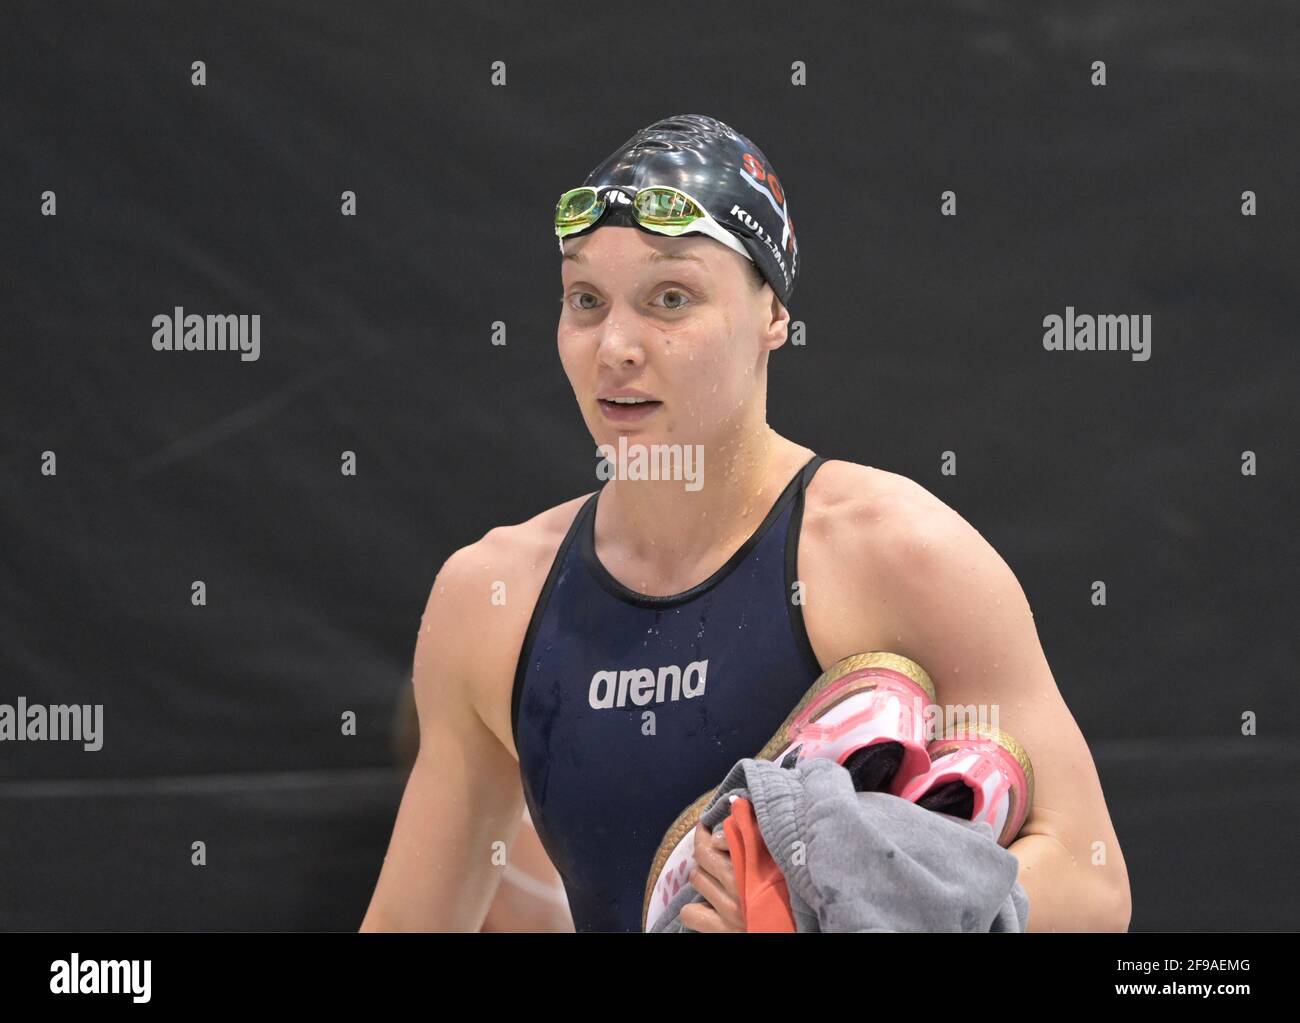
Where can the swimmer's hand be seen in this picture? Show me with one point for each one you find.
(713, 878)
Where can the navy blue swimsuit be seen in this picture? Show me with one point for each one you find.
(626, 707)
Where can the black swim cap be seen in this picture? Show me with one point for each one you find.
(725, 173)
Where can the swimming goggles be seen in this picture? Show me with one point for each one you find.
(658, 208)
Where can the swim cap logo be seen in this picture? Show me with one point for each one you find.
(770, 188)
(612, 688)
(747, 218)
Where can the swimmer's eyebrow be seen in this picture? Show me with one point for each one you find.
(654, 257)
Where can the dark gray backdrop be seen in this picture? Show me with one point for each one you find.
(923, 335)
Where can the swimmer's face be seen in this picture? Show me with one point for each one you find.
(678, 320)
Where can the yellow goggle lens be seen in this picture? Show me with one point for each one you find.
(577, 209)
(666, 207)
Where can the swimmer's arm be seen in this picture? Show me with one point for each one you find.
(464, 791)
(959, 611)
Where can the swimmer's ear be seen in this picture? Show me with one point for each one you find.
(776, 331)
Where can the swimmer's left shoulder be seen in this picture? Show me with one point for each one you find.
(879, 515)
(863, 496)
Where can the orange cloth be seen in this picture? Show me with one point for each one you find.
(764, 899)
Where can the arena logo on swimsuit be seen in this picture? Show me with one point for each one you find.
(644, 685)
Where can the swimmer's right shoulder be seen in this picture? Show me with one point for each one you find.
(520, 552)
(483, 598)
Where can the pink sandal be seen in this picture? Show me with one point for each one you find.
(983, 776)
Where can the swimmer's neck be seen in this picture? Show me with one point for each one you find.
(660, 529)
